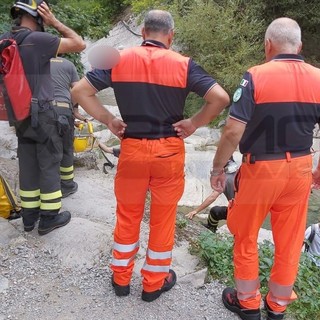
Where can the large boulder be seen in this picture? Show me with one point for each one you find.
(79, 244)
(8, 233)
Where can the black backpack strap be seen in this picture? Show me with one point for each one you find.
(310, 238)
(19, 35)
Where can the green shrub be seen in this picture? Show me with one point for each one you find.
(181, 223)
(216, 251)
(223, 38)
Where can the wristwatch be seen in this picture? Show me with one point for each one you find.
(215, 173)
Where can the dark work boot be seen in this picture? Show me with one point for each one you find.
(169, 282)
(216, 214)
(29, 218)
(231, 302)
(68, 188)
(48, 223)
(120, 291)
(273, 315)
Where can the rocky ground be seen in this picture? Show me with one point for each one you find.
(66, 275)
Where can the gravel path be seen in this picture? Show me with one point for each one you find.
(39, 288)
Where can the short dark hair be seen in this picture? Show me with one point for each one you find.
(158, 21)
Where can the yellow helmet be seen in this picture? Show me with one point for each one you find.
(80, 144)
(83, 141)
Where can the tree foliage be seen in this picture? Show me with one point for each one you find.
(305, 12)
(226, 36)
(91, 19)
(221, 38)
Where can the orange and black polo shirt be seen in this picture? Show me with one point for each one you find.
(151, 84)
(280, 103)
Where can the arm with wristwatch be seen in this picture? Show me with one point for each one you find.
(229, 141)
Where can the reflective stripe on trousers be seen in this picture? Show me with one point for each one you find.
(66, 173)
(280, 296)
(39, 155)
(33, 199)
(281, 187)
(124, 254)
(155, 166)
(152, 261)
(247, 289)
(30, 199)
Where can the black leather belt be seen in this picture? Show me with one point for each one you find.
(252, 158)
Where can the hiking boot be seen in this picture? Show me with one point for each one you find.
(216, 214)
(67, 191)
(120, 291)
(273, 315)
(211, 227)
(29, 218)
(169, 282)
(48, 223)
(231, 302)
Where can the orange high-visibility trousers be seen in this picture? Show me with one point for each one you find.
(158, 166)
(281, 187)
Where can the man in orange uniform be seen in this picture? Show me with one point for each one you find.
(151, 83)
(273, 114)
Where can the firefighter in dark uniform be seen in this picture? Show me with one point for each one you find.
(273, 115)
(151, 84)
(64, 75)
(39, 136)
(218, 213)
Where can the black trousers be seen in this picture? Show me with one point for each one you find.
(66, 165)
(40, 152)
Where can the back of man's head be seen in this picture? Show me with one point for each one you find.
(27, 8)
(158, 21)
(285, 34)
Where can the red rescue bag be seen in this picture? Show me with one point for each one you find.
(15, 92)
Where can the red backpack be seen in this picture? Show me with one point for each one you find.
(15, 92)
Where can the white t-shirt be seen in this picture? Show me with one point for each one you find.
(314, 250)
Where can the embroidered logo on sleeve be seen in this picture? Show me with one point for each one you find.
(237, 95)
(244, 82)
